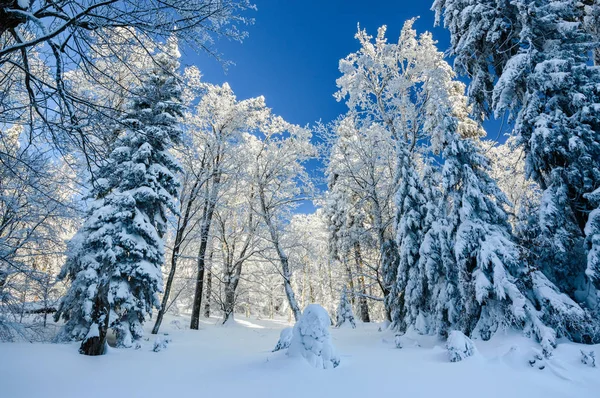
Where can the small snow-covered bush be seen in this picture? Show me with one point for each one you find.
(311, 338)
(588, 358)
(538, 359)
(160, 343)
(285, 338)
(176, 324)
(459, 346)
(398, 341)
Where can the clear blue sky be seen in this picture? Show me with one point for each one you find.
(291, 55)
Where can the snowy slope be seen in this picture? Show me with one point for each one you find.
(236, 361)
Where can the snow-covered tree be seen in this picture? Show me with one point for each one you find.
(344, 313)
(66, 37)
(36, 215)
(592, 232)
(391, 92)
(280, 182)
(360, 170)
(311, 338)
(236, 236)
(285, 339)
(459, 346)
(533, 60)
(115, 260)
(318, 277)
(410, 201)
(216, 128)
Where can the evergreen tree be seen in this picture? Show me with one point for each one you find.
(592, 232)
(344, 311)
(115, 259)
(534, 57)
(474, 279)
(410, 204)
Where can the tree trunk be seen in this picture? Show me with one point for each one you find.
(195, 322)
(209, 208)
(362, 299)
(350, 282)
(232, 281)
(95, 342)
(208, 293)
(229, 304)
(283, 259)
(175, 256)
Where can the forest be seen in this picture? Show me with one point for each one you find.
(149, 214)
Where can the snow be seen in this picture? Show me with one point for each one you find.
(311, 338)
(285, 339)
(236, 361)
(459, 346)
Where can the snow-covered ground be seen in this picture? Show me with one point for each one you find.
(236, 361)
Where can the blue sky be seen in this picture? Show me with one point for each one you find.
(291, 55)
(292, 52)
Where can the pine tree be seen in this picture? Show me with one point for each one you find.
(560, 131)
(115, 259)
(344, 311)
(484, 35)
(410, 204)
(592, 232)
(543, 76)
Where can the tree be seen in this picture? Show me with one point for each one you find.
(389, 89)
(534, 58)
(475, 281)
(187, 219)
(311, 339)
(237, 237)
(217, 129)
(115, 260)
(280, 182)
(361, 169)
(66, 35)
(35, 215)
(317, 276)
(410, 202)
(344, 311)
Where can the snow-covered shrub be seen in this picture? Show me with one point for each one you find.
(160, 343)
(459, 346)
(398, 341)
(538, 360)
(344, 312)
(176, 324)
(285, 338)
(588, 358)
(311, 338)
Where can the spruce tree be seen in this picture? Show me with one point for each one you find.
(344, 312)
(115, 259)
(410, 204)
(543, 75)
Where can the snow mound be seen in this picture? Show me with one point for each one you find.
(285, 338)
(459, 346)
(311, 338)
